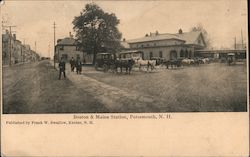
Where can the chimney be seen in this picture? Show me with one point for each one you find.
(180, 31)
(14, 36)
(124, 39)
(70, 35)
(156, 32)
(146, 35)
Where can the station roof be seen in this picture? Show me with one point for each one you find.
(125, 44)
(156, 38)
(187, 37)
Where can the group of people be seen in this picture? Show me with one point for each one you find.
(74, 64)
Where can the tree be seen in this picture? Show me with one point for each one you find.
(96, 30)
(207, 39)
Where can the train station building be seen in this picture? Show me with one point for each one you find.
(169, 46)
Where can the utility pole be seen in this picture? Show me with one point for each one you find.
(242, 42)
(10, 46)
(54, 26)
(35, 46)
(23, 50)
(235, 43)
(49, 50)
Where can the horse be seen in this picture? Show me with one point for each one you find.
(197, 61)
(148, 63)
(173, 63)
(122, 63)
(205, 60)
(187, 61)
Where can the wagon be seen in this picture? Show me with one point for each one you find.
(105, 61)
(231, 58)
(158, 60)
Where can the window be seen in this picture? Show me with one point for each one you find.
(182, 53)
(186, 54)
(190, 54)
(64, 56)
(150, 55)
(147, 44)
(78, 56)
(173, 54)
(154, 44)
(142, 45)
(62, 48)
(106, 56)
(160, 54)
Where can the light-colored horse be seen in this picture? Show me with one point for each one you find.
(205, 60)
(148, 63)
(187, 61)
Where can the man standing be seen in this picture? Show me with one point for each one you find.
(78, 66)
(62, 68)
(72, 64)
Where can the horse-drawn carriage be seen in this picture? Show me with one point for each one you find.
(139, 60)
(231, 59)
(110, 61)
(105, 61)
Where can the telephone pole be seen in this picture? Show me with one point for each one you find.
(235, 43)
(54, 26)
(49, 50)
(242, 39)
(35, 46)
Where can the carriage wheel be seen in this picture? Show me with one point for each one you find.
(105, 68)
(112, 67)
(96, 66)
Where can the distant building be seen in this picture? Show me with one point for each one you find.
(169, 46)
(17, 50)
(125, 44)
(13, 51)
(7, 48)
(241, 46)
(222, 54)
(67, 48)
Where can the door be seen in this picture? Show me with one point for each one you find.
(173, 54)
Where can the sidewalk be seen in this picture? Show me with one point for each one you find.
(115, 99)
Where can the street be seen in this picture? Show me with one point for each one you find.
(35, 88)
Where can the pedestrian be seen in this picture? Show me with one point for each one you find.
(78, 66)
(72, 64)
(62, 68)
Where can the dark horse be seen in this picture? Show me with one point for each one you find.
(127, 64)
(172, 63)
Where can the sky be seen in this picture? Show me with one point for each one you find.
(223, 19)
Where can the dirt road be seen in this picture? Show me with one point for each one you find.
(35, 88)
